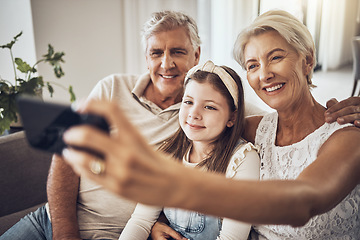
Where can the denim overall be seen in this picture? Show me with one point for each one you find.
(193, 225)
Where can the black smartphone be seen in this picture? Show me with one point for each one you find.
(45, 122)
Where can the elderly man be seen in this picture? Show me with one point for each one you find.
(81, 209)
(151, 101)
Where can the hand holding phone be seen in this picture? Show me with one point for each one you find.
(45, 123)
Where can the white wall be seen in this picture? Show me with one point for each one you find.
(89, 34)
(15, 16)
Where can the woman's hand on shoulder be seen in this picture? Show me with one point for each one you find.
(345, 111)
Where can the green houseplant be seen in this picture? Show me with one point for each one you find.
(27, 84)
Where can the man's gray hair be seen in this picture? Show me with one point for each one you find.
(170, 20)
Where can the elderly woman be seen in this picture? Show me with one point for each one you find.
(278, 54)
(309, 168)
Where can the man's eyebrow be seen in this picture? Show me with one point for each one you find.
(179, 49)
(155, 49)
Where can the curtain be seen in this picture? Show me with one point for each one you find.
(337, 26)
(220, 21)
(332, 24)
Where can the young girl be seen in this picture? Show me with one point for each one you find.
(212, 120)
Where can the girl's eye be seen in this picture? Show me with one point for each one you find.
(187, 102)
(210, 108)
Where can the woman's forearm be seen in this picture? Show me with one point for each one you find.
(263, 202)
(135, 171)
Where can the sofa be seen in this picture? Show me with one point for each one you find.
(23, 174)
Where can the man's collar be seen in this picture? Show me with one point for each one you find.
(141, 85)
(139, 90)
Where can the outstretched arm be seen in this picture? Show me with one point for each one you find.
(134, 170)
(345, 111)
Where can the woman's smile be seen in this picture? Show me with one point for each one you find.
(274, 88)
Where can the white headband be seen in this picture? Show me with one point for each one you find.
(225, 77)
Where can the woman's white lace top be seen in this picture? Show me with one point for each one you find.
(287, 162)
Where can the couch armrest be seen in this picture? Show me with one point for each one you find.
(23, 174)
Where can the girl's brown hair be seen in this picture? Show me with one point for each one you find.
(224, 145)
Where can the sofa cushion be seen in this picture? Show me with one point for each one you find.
(23, 174)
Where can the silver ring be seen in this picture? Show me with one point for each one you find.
(97, 166)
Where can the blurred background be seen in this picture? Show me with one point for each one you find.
(103, 37)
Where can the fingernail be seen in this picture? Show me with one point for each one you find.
(65, 134)
(328, 119)
(65, 152)
(340, 120)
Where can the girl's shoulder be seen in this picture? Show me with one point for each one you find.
(243, 148)
(244, 154)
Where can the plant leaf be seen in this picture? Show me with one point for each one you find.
(58, 57)
(10, 44)
(40, 81)
(50, 89)
(72, 94)
(29, 87)
(4, 87)
(58, 71)
(23, 66)
(20, 81)
(17, 36)
(5, 121)
(8, 111)
(49, 53)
